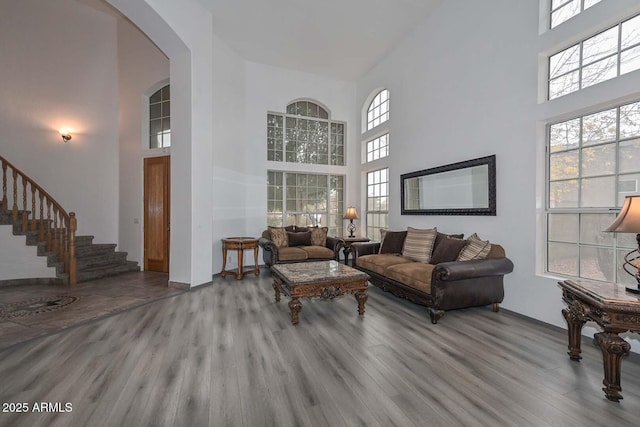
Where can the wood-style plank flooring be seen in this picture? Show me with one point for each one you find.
(228, 355)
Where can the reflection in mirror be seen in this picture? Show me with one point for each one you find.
(465, 188)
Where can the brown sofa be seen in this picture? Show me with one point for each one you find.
(441, 286)
(298, 248)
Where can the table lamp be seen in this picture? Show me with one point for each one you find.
(351, 214)
(628, 221)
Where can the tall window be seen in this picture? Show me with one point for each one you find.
(561, 10)
(305, 199)
(378, 111)
(305, 134)
(160, 119)
(378, 148)
(377, 202)
(593, 163)
(606, 55)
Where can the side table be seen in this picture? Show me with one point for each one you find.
(239, 244)
(347, 248)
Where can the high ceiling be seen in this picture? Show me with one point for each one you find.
(342, 39)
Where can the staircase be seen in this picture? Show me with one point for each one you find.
(76, 258)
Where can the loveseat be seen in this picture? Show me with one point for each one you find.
(298, 244)
(442, 272)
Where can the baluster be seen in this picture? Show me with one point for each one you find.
(41, 228)
(61, 244)
(33, 207)
(49, 237)
(15, 196)
(4, 186)
(73, 267)
(55, 229)
(25, 220)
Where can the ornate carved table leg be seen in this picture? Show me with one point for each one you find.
(361, 297)
(613, 349)
(575, 321)
(240, 273)
(295, 306)
(276, 288)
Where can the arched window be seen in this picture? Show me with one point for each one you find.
(160, 118)
(378, 111)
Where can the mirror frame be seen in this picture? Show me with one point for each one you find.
(489, 211)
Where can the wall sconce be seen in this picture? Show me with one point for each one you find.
(351, 214)
(65, 134)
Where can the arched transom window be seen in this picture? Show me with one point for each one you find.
(160, 118)
(378, 111)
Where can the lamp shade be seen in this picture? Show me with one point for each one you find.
(628, 220)
(352, 213)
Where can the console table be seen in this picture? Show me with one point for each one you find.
(239, 244)
(615, 310)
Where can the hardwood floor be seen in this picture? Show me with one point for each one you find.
(228, 355)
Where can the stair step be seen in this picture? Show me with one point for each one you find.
(106, 271)
(100, 260)
(94, 249)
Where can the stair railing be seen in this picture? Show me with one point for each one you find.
(58, 229)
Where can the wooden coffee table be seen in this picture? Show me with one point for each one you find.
(324, 279)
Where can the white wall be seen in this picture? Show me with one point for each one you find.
(59, 69)
(20, 261)
(465, 85)
(141, 65)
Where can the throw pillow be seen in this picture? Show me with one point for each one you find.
(279, 237)
(475, 249)
(418, 245)
(319, 236)
(299, 239)
(392, 242)
(442, 236)
(447, 250)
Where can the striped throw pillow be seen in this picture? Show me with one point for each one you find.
(418, 245)
(475, 249)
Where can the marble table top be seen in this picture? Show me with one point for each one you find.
(316, 272)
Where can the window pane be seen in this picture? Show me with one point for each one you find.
(600, 160)
(596, 263)
(591, 226)
(600, 45)
(630, 32)
(598, 192)
(627, 186)
(156, 97)
(562, 259)
(630, 60)
(629, 156)
(621, 275)
(626, 240)
(563, 228)
(563, 165)
(565, 12)
(630, 120)
(565, 135)
(565, 61)
(599, 127)
(599, 71)
(589, 3)
(563, 194)
(564, 84)
(155, 111)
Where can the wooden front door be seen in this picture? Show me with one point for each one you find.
(156, 214)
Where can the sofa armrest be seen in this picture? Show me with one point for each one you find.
(460, 270)
(364, 248)
(269, 251)
(335, 244)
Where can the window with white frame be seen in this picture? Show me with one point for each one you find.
(608, 54)
(593, 162)
(305, 200)
(305, 134)
(561, 10)
(378, 111)
(377, 202)
(160, 118)
(378, 148)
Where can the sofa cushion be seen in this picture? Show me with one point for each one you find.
(392, 241)
(320, 252)
(447, 250)
(299, 239)
(319, 236)
(474, 249)
(279, 237)
(379, 263)
(416, 275)
(292, 254)
(418, 245)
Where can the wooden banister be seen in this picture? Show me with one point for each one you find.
(59, 232)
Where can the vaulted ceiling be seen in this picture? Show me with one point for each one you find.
(342, 39)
